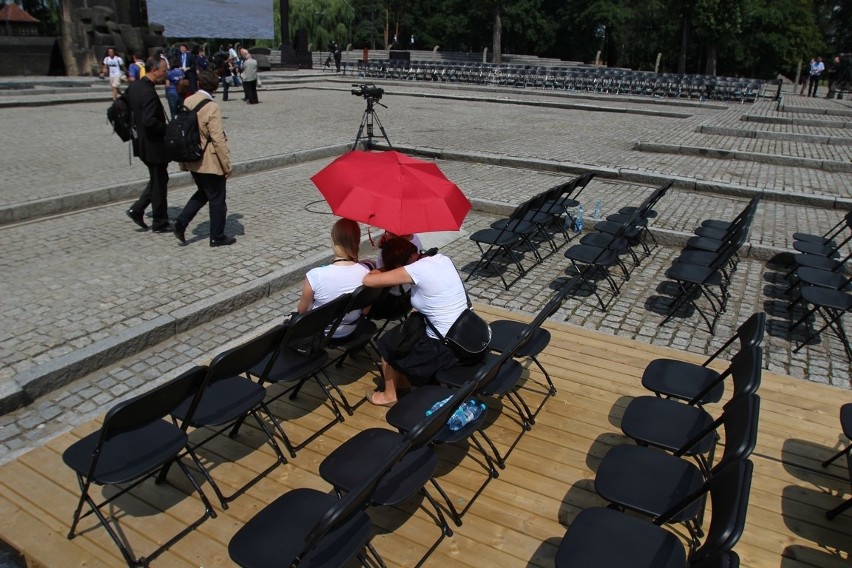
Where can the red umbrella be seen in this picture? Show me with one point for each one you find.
(392, 191)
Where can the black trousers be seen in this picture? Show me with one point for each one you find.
(155, 194)
(211, 189)
(250, 89)
(813, 85)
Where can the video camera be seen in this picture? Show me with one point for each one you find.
(369, 92)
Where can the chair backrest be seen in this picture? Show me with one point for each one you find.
(316, 321)
(359, 299)
(750, 334)
(729, 495)
(741, 417)
(152, 405)
(237, 360)
(744, 361)
(351, 504)
(746, 371)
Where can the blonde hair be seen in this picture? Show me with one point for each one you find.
(346, 236)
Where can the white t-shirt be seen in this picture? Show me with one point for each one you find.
(415, 240)
(330, 282)
(438, 292)
(114, 64)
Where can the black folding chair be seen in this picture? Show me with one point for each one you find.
(134, 443)
(310, 528)
(347, 466)
(831, 305)
(611, 539)
(699, 383)
(300, 357)
(365, 329)
(406, 414)
(846, 426)
(222, 398)
(827, 238)
(503, 242)
(688, 429)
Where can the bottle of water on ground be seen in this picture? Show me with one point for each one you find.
(578, 219)
(465, 414)
(597, 212)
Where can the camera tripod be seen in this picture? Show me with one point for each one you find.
(370, 119)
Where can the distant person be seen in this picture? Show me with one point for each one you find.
(173, 79)
(249, 77)
(212, 171)
(201, 59)
(136, 69)
(814, 75)
(113, 67)
(149, 119)
(411, 42)
(838, 74)
(189, 63)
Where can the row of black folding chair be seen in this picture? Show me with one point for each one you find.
(708, 262)
(821, 281)
(846, 427)
(652, 480)
(536, 218)
(598, 252)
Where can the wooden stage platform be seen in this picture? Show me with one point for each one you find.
(519, 519)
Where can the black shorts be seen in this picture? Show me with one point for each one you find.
(422, 362)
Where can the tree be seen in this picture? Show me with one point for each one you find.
(716, 22)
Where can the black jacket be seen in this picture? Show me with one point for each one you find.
(149, 118)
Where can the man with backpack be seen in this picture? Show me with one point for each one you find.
(149, 121)
(212, 170)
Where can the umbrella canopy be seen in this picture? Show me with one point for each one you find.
(392, 191)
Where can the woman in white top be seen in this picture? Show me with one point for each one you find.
(438, 293)
(325, 283)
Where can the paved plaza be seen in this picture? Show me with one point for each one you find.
(96, 310)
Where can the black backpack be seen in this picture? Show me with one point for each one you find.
(120, 117)
(183, 137)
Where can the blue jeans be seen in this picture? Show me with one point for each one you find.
(174, 101)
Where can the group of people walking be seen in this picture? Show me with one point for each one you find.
(837, 73)
(209, 174)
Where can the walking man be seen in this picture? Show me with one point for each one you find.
(149, 121)
(211, 172)
(817, 67)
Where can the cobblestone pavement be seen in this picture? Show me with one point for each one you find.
(83, 278)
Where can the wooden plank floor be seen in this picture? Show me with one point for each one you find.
(520, 517)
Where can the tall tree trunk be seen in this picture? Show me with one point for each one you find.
(711, 57)
(68, 28)
(684, 43)
(497, 34)
(284, 9)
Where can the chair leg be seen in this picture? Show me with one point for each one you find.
(839, 454)
(839, 509)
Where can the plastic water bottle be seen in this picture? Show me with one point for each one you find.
(578, 220)
(465, 414)
(597, 212)
(437, 405)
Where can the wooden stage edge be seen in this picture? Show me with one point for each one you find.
(520, 517)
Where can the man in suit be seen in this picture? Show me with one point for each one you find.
(189, 63)
(149, 121)
(213, 169)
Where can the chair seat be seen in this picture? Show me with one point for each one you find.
(278, 533)
(128, 455)
(354, 461)
(817, 239)
(815, 248)
(680, 379)
(291, 366)
(822, 278)
(826, 298)
(504, 333)
(705, 243)
(223, 401)
(411, 409)
(695, 273)
(496, 237)
(666, 424)
(360, 336)
(816, 261)
(605, 538)
(648, 481)
(588, 254)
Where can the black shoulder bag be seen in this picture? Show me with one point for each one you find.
(468, 337)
